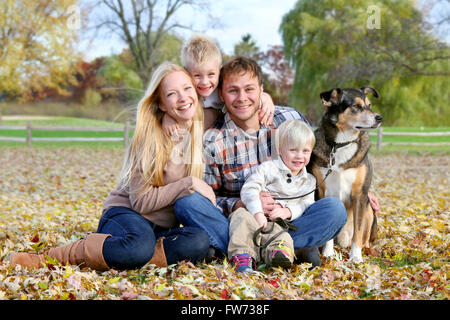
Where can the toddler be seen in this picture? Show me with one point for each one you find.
(285, 176)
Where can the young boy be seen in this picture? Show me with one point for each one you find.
(202, 58)
(282, 177)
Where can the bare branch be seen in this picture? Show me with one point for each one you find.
(138, 26)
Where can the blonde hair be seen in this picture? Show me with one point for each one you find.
(295, 133)
(200, 49)
(151, 146)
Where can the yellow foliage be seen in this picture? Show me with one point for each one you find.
(408, 260)
(36, 46)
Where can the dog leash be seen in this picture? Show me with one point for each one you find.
(285, 225)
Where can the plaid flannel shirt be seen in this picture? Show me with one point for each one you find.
(231, 154)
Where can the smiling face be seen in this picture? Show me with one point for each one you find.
(241, 94)
(296, 157)
(178, 97)
(206, 77)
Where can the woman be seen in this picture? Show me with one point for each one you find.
(138, 225)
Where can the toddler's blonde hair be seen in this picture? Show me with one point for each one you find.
(198, 50)
(295, 133)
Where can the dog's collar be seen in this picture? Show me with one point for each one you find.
(334, 145)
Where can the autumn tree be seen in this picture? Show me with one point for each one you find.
(37, 46)
(143, 25)
(87, 77)
(389, 45)
(278, 75)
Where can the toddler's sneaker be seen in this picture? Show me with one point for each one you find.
(281, 256)
(243, 263)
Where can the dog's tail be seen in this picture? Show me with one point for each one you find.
(373, 229)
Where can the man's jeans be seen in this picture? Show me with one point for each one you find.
(133, 240)
(321, 222)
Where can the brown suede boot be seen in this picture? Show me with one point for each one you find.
(86, 252)
(159, 256)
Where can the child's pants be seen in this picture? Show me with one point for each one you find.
(242, 228)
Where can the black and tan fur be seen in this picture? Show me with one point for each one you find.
(343, 128)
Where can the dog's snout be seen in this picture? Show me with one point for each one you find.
(378, 118)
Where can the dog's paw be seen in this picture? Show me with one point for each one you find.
(328, 250)
(355, 254)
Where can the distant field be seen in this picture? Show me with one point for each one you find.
(45, 121)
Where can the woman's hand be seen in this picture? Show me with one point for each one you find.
(204, 189)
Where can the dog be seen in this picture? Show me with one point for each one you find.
(341, 157)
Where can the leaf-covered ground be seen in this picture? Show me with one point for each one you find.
(50, 197)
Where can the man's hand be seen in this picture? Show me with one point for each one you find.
(283, 213)
(374, 203)
(267, 202)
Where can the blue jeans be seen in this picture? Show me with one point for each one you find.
(197, 211)
(321, 222)
(133, 240)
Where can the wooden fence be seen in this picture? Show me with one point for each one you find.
(126, 133)
(29, 129)
(380, 135)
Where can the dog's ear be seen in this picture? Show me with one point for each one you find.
(331, 97)
(368, 89)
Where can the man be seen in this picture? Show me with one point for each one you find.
(234, 146)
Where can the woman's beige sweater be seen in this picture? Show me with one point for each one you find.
(157, 204)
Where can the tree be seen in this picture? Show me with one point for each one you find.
(143, 25)
(246, 47)
(334, 43)
(278, 76)
(87, 77)
(119, 80)
(36, 47)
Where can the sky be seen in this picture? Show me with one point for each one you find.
(260, 18)
(233, 19)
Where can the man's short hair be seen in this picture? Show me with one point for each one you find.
(198, 50)
(240, 65)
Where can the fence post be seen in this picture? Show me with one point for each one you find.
(29, 134)
(126, 137)
(379, 138)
